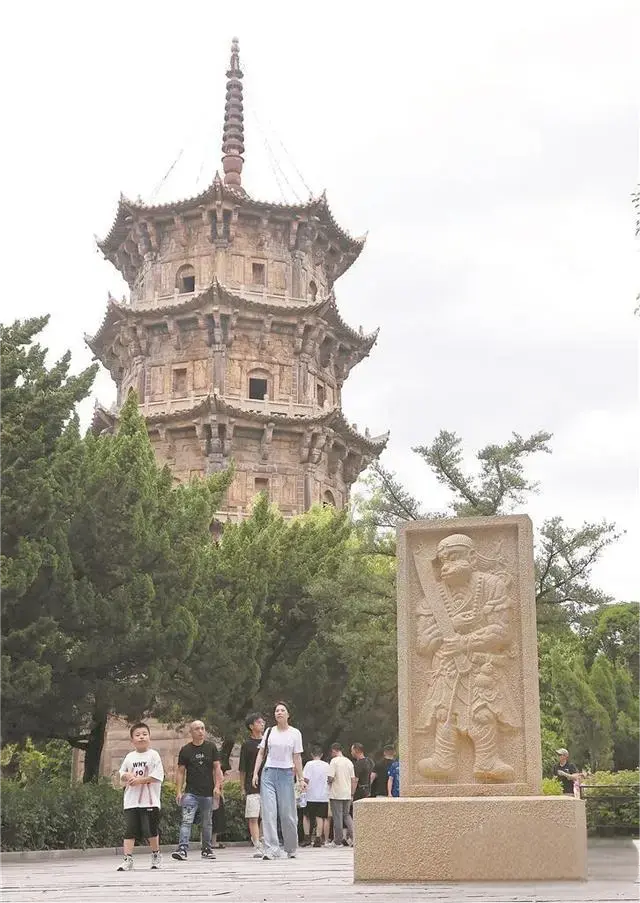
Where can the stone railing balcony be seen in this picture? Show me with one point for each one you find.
(174, 405)
(251, 292)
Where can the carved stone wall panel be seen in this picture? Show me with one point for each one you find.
(237, 493)
(234, 376)
(158, 382)
(288, 492)
(285, 382)
(201, 376)
(237, 269)
(278, 277)
(468, 680)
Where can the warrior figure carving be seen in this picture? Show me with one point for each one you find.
(465, 629)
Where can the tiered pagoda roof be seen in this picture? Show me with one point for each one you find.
(218, 295)
(211, 404)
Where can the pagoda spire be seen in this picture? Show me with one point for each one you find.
(233, 131)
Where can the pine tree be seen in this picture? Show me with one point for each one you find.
(38, 406)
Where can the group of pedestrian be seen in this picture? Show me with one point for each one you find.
(275, 787)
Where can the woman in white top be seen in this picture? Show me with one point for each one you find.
(281, 752)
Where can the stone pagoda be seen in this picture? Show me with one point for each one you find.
(232, 337)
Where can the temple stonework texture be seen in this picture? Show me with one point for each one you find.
(469, 718)
(232, 337)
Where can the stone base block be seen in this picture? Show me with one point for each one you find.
(530, 838)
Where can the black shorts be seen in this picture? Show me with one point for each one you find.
(317, 810)
(141, 823)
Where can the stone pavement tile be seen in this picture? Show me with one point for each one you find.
(316, 876)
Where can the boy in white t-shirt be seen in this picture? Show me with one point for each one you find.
(315, 774)
(141, 775)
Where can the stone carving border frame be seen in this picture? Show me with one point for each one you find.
(529, 771)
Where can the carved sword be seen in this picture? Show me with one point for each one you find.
(434, 600)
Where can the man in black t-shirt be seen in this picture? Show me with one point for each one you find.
(248, 756)
(563, 769)
(199, 764)
(381, 772)
(362, 766)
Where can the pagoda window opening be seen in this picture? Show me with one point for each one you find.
(214, 226)
(258, 388)
(258, 274)
(313, 290)
(320, 393)
(328, 501)
(226, 225)
(261, 484)
(186, 280)
(180, 382)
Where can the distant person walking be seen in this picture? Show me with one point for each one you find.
(363, 768)
(198, 781)
(380, 773)
(393, 778)
(141, 775)
(342, 784)
(281, 750)
(315, 774)
(248, 755)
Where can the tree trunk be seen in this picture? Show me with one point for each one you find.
(93, 750)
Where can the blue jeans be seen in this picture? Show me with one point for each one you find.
(278, 799)
(190, 805)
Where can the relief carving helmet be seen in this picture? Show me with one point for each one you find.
(455, 568)
(455, 541)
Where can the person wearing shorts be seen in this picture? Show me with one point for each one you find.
(315, 773)
(248, 755)
(141, 775)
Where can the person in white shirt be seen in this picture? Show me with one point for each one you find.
(316, 773)
(342, 782)
(141, 775)
(281, 752)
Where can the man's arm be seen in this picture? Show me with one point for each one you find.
(218, 778)
(389, 786)
(180, 776)
(256, 767)
(354, 784)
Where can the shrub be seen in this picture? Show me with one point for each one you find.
(612, 802)
(551, 787)
(56, 815)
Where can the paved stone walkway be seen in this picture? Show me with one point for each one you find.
(316, 876)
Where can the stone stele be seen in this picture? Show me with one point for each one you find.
(470, 761)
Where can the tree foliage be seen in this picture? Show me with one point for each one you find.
(315, 625)
(588, 647)
(38, 440)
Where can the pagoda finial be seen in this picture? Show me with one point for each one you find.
(233, 131)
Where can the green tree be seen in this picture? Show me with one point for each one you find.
(138, 547)
(585, 719)
(565, 556)
(615, 631)
(38, 404)
(308, 619)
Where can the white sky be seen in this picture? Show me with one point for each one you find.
(489, 148)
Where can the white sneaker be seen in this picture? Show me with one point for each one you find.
(126, 864)
(258, 851)
(156, 860)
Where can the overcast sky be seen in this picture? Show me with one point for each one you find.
(489, 148)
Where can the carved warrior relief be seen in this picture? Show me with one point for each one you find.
(464, 621)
